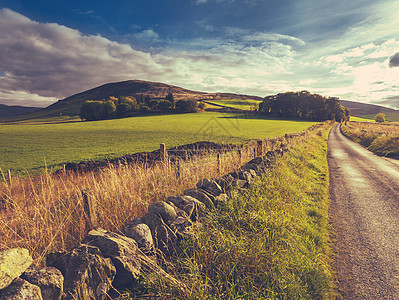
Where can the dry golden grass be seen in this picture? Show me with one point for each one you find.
(45, 214)
(382, 139)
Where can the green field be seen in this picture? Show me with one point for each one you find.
(31, 147)
(246, 104)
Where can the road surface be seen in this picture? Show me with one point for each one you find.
(364, 191)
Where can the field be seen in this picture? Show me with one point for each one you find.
(382, 139)
(246, 104)
(26, 148)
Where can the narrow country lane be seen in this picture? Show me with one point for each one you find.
(364, 190)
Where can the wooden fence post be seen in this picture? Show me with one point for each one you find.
(90, 210)
(178, 171)
(162, 148)
(218, 163)
(259, 148)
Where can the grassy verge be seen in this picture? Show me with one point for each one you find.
(382, 139)
(271, 242)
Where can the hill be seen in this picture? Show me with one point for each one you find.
(12, 111)
(368, 111)
(71, 105)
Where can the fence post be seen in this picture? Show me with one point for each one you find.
(259, 148)
(218, 163)
(90, 210)
(162, 148)
(178, 172)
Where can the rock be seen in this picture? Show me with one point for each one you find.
(141, 233)
(49, 280)
(20, 289)
(201, 196)
(164, 210)
(193, 207)
(59, 260)
(210, 186)
(221, 200)
(87, 274)
(182, 226)
(164, 237)
(203, 183)
(226, 182)
(124, 254)
(13, 262)
(241, 184)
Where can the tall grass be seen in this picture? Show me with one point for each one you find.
(45, 213)
(272, 242)
(382, 139)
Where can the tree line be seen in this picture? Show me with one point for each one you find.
(116, 107)
(305, 106)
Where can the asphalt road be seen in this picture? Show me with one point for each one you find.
(364, 191)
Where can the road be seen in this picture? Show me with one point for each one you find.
(364, 191)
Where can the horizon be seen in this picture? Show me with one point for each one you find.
(50, 51)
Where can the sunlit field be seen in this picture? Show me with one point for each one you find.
(27, 148)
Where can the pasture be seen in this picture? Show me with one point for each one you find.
(28, 148)
(246, 104)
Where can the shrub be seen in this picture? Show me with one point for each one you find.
(380, 118)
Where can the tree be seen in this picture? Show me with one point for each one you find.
(187, 106)
(380, 118)
(170, 97)
(97, 110)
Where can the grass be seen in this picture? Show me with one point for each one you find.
(246, 104)
(45, 213)
(357, 119)
(382, 139)
(26, 148)
(271, 242)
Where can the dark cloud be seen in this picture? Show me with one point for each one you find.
(394, 60)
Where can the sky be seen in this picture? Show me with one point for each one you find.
(50, 50)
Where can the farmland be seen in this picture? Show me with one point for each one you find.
(245, 104)
(27, 148)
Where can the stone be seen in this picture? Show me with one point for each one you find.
(190, 205)
(48, 279)
(164, 237)
(221, 200)
(210, 186)
(13, 262)
(241, 184)
(20, 289)
(201, 196)
(141, 233)
(88, 275)
(226, 182)
(164, 210)
(123, 252)
(182, 226)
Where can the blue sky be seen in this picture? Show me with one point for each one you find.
(52, 49)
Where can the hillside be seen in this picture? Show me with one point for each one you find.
(71, 105)
(368, 111)
(12, 111)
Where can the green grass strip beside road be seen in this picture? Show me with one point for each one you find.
(272, 242)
